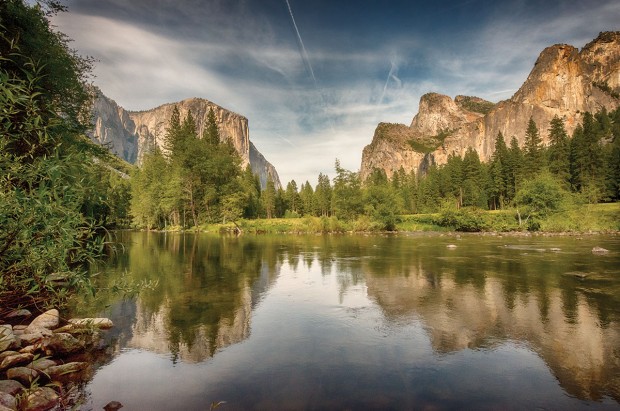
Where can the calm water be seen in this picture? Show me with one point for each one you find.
(362, 322)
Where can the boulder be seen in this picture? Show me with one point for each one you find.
(451, 246)
(40, 399)
(3, 408)
(599, 250)
(102, 323)
(34, 336)
(19, 329)
(42, 364)
(62, 343)
(11, 387)
(48, 319)
(64, 369)
(17, 359)
(22, 374)
(7, 338)
(30, 349)
(8, 401)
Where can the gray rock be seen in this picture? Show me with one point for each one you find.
(599, 250)
(22, 374)
(113, 406)
(34, 336)
(3, 408)
(64, 369)
(41, 399)
(48, 319)
(102, 323)
(7, 338)
(8, 401)
(451, 246)
(16, 314)
(19, 329)
(42, 364)
(17, 359)
(11, 387)
(62, 343)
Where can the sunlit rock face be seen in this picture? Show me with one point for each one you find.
(130, 134)
(580, 352)
(564, 81)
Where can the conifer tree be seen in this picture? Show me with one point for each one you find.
(558, 152)
(533, 154)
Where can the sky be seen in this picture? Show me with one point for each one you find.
(314, 78)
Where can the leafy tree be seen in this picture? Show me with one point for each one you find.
(46, 168)
(347, 194)
(381, 201)
(540, 197)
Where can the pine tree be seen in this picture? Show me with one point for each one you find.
(211, 133)
(533, 158)
(173, 136)
(268, 199)
(323, 195)
(559, 151)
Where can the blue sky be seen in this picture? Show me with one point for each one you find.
(314, 78)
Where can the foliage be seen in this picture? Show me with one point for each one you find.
(48, 206)
(463, 219)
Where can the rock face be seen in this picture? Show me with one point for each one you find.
(130, 134)
(564, 81)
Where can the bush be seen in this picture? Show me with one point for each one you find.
(464, 219)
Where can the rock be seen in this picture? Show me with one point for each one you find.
(451, 246)
(41, 399)
(599, 250)
(18, 314)
(8, 401)
(562, 83)
(555, 249)
(34, 336)
(7, 338)
(113, 406)
(7, 354)
(17, 359)
(22, 374)
(3, 408)
(11, 387)
(64, 369)
(30, 349)
(42, 364)
(62, 343)
(19, 329)
(131, 133)
(102, 323)
(48, 320)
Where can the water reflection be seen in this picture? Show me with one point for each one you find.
(512, 298)
(205, 290)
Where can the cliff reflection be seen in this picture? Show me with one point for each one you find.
(481, 296)
(206, 288)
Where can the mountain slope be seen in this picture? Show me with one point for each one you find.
(129, 134)
(564, 81)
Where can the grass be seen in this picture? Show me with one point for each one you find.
(582, 218)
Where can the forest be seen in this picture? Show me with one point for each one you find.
(198, 180)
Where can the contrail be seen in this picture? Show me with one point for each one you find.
(391, 75)
(304, 54)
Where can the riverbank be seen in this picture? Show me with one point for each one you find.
(589, 218)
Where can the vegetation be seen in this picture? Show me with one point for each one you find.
(53, 196)
(429, 144)
(474, 104)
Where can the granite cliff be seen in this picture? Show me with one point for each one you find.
(565, 82)
(129, 134)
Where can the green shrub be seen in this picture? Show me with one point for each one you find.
(464, 219)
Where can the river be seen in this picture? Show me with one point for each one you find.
(407, 321)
